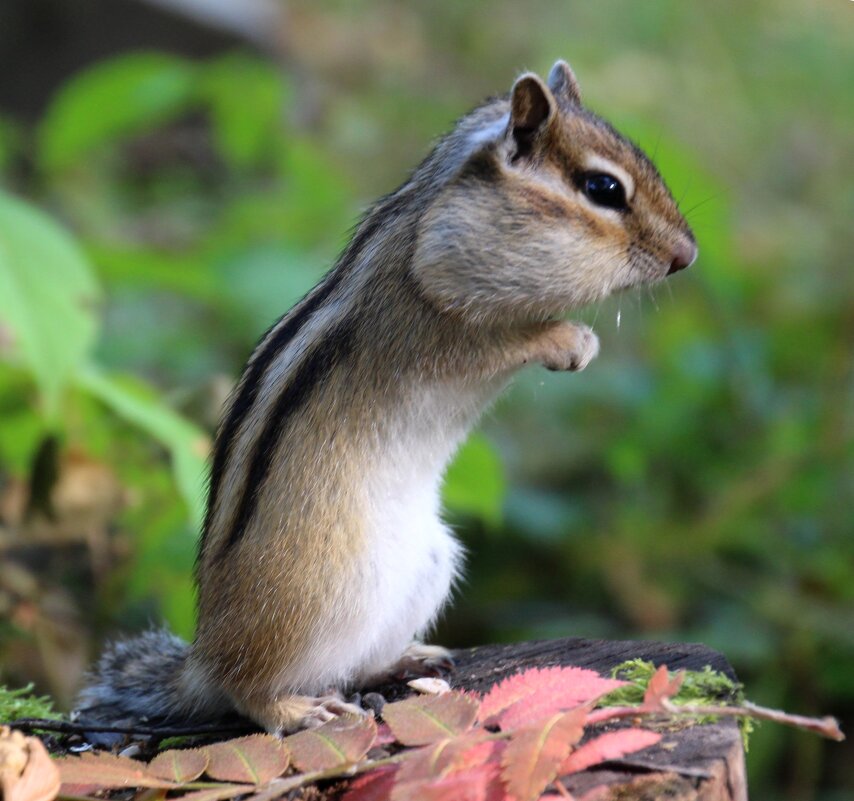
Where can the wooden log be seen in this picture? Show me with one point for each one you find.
(693, 762)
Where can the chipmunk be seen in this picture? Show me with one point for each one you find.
(323, 559)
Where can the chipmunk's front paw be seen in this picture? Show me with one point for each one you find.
(420, 659)
(416, 661)
(569, 346)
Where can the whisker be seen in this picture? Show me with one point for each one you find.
(702, 203)
(596, 314)
(684, 191)
(655, 149)
(650, 292)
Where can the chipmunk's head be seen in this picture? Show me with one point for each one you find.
(547, 208)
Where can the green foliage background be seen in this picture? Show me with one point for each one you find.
(695, 483)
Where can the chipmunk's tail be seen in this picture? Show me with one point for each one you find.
(144, 680)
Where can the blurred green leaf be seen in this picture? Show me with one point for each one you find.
(247, 98)
(115, 98)
(262, 282)
(316, 190)
(11, 141)
(474, 483)
(187, 444)
(48, 296)
(183, 273)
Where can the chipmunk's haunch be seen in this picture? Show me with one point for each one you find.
(323, 558)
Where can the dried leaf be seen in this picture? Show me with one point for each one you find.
(524, 698)
(179, 765)
(79, 790)
(254, 759)
(221, 793)
(151, 794)
(424, 719)
(341, 741)
(612, 745)
(531, 759)
(107, 771)
(39, 780)
(385, 736)
(661, 687)
(373, 786)
(446, 756)
(479, 783)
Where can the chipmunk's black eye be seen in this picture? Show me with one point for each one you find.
(604, 190)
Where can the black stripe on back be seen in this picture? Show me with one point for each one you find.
(333, 348)
(251, 383)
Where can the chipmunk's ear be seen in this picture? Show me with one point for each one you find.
(563, 83)
(532, 108)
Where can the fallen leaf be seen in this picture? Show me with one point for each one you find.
(32, 776)
(445, 756)
(424, 719)
(531, 759)
(373, 786)
(151, 794)
(524, 698)
(107, 771)
(341, 741)
(385, 736)
(179, 764)
(661, 687)
(221, 793)
(254, 759)
(611, 745)
(79, 790)
(479, 783)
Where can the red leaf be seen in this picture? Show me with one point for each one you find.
(479, 783)
(254, 759)
(373, 786)
(385, 736)
(179, 765)
(531, 759)
(427, 718)
(341, 741)
(106, 771)
(541, 692)
(612, 745)
(661, 687)
(447, 756)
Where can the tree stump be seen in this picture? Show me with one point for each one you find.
(697, 761)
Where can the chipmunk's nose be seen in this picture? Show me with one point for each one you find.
(683, 256)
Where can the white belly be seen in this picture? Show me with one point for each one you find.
(405, 571)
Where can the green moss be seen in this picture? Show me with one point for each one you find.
(704, 687)
(20, 703)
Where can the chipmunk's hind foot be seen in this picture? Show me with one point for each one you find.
(294, 712)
